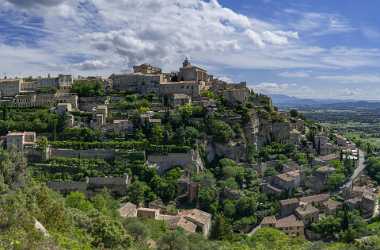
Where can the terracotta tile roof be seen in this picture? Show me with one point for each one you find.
(289, 201)
(290, 221)
(269, 220)
(315, 198)
(128, 210)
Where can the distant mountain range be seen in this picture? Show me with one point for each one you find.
(284, 101)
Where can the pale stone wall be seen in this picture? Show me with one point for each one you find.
(186, 160)
(105, 154)
(190, 88)
(136, 82)
(10, 87)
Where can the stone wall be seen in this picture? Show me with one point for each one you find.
(164, 162)
(106, 154)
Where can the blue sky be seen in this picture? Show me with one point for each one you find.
(304, 48)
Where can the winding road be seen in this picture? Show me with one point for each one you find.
(359, 169)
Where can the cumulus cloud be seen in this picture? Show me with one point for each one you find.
(30, 3)
(156, 31)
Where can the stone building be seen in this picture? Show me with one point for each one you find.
(137, 82)
(199, 218)
(148, 213)
(59, 82)
(190, 88)
(63, 108)
(287, 181)
(20, 140)
(330, 207)
(10, 87)
(128, 210)
(307, 213)
(236, 93)
(290, 225)
(315, 200)
(176, 100)
(288, 206)
(147, 69)
(188, 72)
(30, 100)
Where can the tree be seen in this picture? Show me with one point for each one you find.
(221, 229)
(78, 200)
(328, 227)
(175, 240)
(157, 134)
(221, 131)
(293, 113)
(136, 192)
(138, 230)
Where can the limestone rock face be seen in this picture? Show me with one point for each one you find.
(251, 128)
(270, 131)
(233, 150)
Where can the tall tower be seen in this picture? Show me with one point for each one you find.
(186, 62)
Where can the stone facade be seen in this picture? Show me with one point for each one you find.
(287, 207)
(147, 69)
(44, 100)
(10, 87)
(189, 72)
(20, 140)
(290, 225)
(59, 82)
(137, 82)
(190, 88)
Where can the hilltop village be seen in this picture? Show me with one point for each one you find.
(187, 149)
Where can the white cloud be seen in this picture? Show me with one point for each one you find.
(272, 88)
(296, 74)
(319, 24)
(156, 31)
(352, 78)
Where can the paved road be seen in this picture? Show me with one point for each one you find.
(361, 166)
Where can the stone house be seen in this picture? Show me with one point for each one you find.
(315, 200)
(330, 207)
(177, 100)
(148, 213)
(288, 206)
(128, 210)
(20, 140)
(290, 225)
(287, 181)
(307, 213)
(199, 218)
